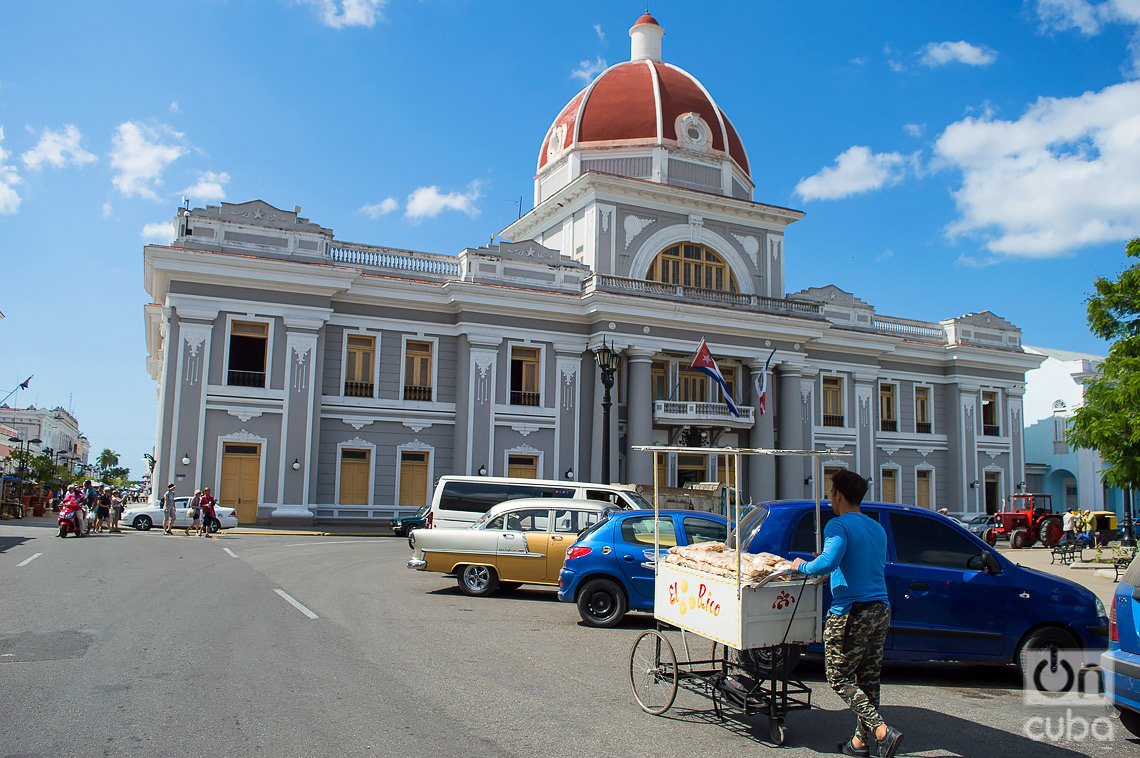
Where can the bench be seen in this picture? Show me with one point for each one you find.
(1120, 564)
(1068, 553)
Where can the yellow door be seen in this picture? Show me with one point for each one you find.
(241, 477)
(355, 467)
(522, 466)
(523, 545)
(413, 478)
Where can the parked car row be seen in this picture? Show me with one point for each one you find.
(146, 515)
(953, 597)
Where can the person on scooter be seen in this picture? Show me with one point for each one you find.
(73, 508)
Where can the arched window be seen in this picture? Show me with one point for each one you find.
(692, 266)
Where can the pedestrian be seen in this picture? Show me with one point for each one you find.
(168, 512)
(206, 505)
(195, 512)
(855, 554)
(1067, 524)
(102, 508)
(116, 510)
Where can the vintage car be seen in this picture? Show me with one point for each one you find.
(521, 541)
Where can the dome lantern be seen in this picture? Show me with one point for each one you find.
(645, 39)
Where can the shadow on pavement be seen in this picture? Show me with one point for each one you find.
(985, 682)
(7, 543)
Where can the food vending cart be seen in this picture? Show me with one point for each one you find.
(756, 623)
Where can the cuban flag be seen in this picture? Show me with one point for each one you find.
(24, 384)
(761, 384)
(706, 364)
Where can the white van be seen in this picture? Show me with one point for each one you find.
(460, 501)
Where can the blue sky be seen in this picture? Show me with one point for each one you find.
(951, 156)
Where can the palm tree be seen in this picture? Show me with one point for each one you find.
(108, 458)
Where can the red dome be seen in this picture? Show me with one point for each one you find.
(640, 102)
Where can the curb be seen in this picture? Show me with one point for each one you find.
(290, 533)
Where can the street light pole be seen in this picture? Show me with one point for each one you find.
(26, 446)
(607, 363)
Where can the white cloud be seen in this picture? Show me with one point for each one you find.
(973, 261)
(858, 61)
(914, 130)
(174, 107)
(58, 149)
(587, 70)
(161, 232)
(1090, 18)
(139, 156)
(886, 255)
(1061, 177)
(341, 13)
(108, 210)
(856, 170)
(601, 34)
(942, 53)
(210, 187)
(9, 178)
(382, 208)
(429, 202)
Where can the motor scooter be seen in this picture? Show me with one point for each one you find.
(73, 520)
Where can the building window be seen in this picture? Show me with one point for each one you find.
(923, 488)
(990, 426)
(355, 476)
(359, 363)
(922, 422)
(889, 484)
(660, 381)
(692, 266)
(832, 401)
(888, 418)
(413, 478)
(730, 379)
(1060, 441)
(694, 387)
(417, 370)
(524, 376)
(249, 343)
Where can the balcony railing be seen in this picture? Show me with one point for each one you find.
(677, 411)
(415, 392)
(358, 389)
(923, 427)
(888, 425)
(646, 288)
(831, 419)
(245, 378)
(394, 259)
(991, 430)
(518, 397)
(910, 329)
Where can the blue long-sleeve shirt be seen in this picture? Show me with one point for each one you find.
(855, 554)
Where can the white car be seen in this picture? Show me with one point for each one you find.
(145, 516)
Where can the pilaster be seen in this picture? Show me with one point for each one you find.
(297, 416)
(639, 410)
(762, 468)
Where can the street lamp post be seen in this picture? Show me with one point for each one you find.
(607, 363)
(26, 446)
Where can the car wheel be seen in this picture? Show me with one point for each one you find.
(1130, 720)
(478, 581)
(1018, 539)
(989, 536)
(214, 526)
(1049, 639)
(143, 523)
(602, 603)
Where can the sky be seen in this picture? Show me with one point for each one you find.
(950, 156)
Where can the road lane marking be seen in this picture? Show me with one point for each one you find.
(231, 553)
(327, 541)
(295, 604)
(28, 560)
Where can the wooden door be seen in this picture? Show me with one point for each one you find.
(241, 480)
(522, 466)
(355, 470)
(413, 478)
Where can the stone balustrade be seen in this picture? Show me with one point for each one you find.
(683, 412)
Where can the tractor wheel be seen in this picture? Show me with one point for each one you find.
(1049, 532)
(1018, 539)
(990, 537)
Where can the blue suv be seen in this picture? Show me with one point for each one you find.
(1122, 661)
(603, 572)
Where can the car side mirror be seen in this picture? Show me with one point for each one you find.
(984, 561)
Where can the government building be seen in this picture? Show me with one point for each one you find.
(308, 378)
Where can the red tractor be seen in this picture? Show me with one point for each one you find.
(1027, 519)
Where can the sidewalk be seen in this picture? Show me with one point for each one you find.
(51, 521)
(1084, 574)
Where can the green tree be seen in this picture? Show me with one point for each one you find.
(1109, 420)
(107, 458)
(116, 475)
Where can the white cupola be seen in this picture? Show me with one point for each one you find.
(645, 39)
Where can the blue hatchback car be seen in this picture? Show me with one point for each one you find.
(953, 597)
(603, 572)
(1122, 661)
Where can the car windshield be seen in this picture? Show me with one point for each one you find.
(749, 526)
(979, 519)
(638, 498)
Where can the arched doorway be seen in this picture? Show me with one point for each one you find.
(690, 265)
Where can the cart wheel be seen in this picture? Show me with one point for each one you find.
(653, 672)
(776, 731)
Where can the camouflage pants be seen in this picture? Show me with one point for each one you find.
(853, 654)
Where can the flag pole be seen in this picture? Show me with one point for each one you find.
(21, 386)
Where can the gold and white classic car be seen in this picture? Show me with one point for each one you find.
(520, 541)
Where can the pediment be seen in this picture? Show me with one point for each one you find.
(259, 213)
(986, 319)
(832, 295)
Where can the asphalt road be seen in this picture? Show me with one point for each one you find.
(145, 644)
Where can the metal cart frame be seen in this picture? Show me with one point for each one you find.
(655, 673)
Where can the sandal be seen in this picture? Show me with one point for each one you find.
(848, 748)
